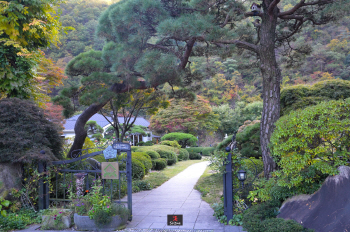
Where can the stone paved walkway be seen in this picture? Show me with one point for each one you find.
(176, 196)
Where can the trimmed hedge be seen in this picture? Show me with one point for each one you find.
(183, 154)
(138, 169)
(144, 158)
(151, 153)
(206, 151)
(159, 164)
(166, 152)
(171, 143)
(134, 148)
(195, 156)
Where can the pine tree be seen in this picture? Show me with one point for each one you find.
(155, 40)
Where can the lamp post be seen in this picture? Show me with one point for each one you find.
(228, 182)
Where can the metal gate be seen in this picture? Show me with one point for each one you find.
(54, 192)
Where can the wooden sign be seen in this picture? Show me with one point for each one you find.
(110, 170)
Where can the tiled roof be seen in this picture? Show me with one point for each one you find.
(100, 120)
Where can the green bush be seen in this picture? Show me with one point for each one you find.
(141, 185)
(183, 154)
(159, 164)
(301, 96)
(262, 218)
(138, 169)
(206, 151)
(171, 143)
(310, 142)
(19, 220)
(195, 156)
(248, 165)
(153, 154)
(134, 148)
(182, 138)
(282, 225)
(224, 143)
(144, 158)
(248, 141)
(166, 153)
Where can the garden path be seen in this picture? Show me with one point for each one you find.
(176, 196)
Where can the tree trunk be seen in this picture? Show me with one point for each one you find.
(271, 87)
(80, 133)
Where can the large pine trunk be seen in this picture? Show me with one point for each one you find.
(271, 88)
(80, 132)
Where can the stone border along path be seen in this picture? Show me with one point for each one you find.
(176, 196)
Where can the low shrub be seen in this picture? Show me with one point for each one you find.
(166, 153)
(195, 156)
(138, 169)
(262, 217)
(171, 143)
(159, 164)
(153, 154)
(248, 141)
(206, 151)
(282, 225)
(19, 220)
(134, 148)
(144, 158)
(183, 154)
(142, 185)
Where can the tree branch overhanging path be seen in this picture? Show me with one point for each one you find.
(161, 36)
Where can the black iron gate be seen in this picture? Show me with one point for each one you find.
(54, 192)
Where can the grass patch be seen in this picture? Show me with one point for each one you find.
(210, 185)
(157, 178)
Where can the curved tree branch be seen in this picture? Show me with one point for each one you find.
(272, 6)
(241, 44)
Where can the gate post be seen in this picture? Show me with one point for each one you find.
(129, 181)
(43, 188)
(228, 189)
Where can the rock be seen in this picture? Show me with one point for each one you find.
(10, 177)
(326, 210)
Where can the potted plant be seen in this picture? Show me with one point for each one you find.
(56, 219)
(96, 212)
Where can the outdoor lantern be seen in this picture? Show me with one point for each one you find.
(228, 149)
(242, 175)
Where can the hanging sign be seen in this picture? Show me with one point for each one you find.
(121, 146)
(109, 153)
(110, 170)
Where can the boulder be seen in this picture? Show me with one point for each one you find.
(10, 177)
(326, 210)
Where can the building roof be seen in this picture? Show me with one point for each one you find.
(100, 120)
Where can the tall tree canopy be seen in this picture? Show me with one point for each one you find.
(155, 40)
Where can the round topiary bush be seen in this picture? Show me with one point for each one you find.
(248, 140)
(171, 143)
(25, 131)
(159, 164)
(183, 154)
(195, 156)
(151, 153)
(166, 152)
(144, 158)
(138, 169)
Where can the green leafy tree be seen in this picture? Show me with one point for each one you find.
(185, 116)
(36, 133)
(182, 138)
(156, 40)
(25, 27)
(313, 140)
